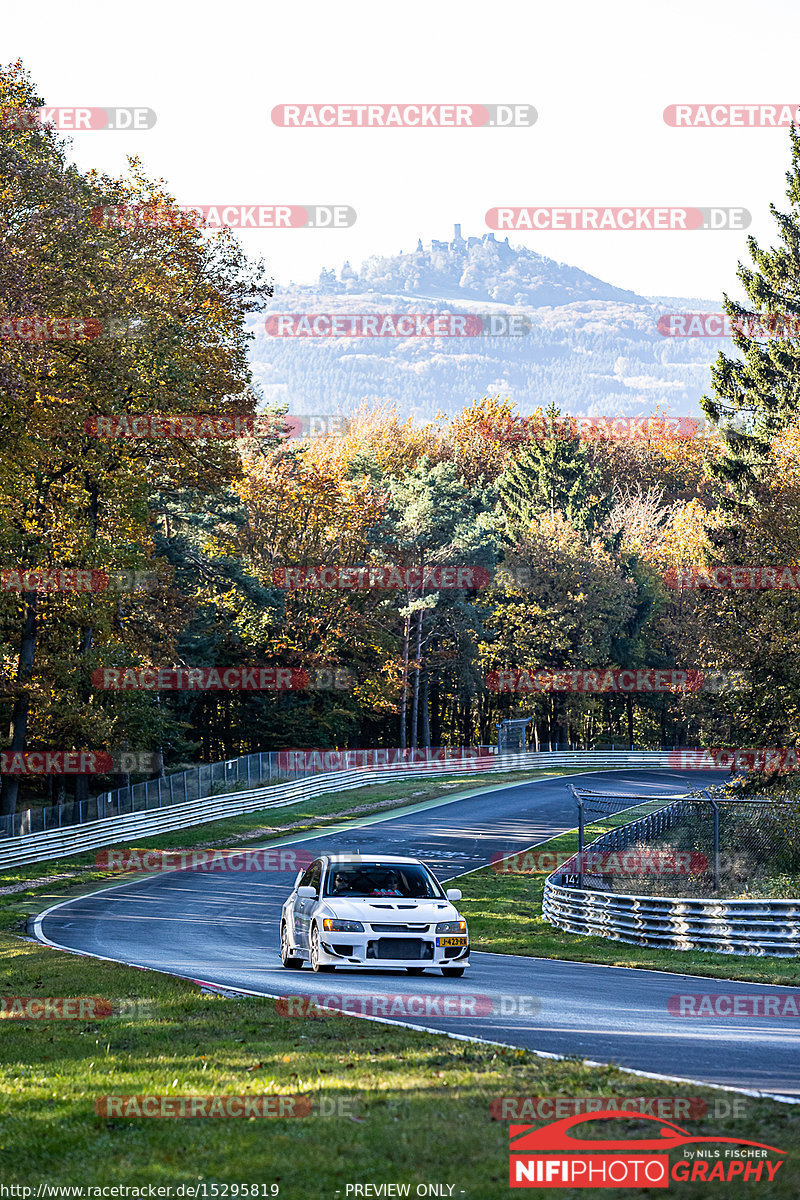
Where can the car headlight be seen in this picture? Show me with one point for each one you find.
(452, 927)
(332, 925)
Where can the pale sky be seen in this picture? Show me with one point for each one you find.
(599, 77)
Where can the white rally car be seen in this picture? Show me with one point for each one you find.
(352, 911)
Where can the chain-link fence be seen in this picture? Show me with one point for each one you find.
(209, 779)
(251, 770)
(702, 845)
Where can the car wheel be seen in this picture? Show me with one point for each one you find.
(288, 960)
(416, 970)
(455, 972)
(316, 965)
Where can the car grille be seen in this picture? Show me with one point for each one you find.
(405, 948)
(399, 928)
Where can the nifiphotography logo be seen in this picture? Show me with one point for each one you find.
(551, 1156)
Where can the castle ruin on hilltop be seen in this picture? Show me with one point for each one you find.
(460, 243)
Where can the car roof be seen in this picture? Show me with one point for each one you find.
(367, 860)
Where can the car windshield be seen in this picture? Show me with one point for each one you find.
(409, 881)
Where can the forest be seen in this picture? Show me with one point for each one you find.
(370, 587)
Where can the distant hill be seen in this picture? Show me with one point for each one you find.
(593, 349)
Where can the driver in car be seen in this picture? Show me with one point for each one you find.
(390, 885)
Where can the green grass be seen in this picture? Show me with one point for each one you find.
(504, 912)
(419, 1105)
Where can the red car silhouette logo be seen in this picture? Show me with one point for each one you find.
(529, 1138)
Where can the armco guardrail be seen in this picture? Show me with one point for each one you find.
(673, 923)
(43, 847)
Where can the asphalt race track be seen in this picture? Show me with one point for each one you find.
(222, 929)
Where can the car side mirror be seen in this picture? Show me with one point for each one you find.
(453, 894)
(309, 893)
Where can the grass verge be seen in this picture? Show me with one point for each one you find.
(417, 1105)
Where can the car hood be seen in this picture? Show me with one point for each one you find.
(388, 910)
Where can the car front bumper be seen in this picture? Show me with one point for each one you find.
(373, 949)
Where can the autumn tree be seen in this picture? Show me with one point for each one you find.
(162, 307)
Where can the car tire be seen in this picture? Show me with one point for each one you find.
(316, 965)
(416, 970)
(453, 972)
(288, 960)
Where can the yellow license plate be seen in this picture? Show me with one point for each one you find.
(451, 941)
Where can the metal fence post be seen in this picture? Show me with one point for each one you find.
(580, 842)
(715, 807)
(579, 803)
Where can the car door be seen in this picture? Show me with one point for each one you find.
(304, 905)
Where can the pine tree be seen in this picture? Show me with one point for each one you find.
(552, 475)
(757, 395)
